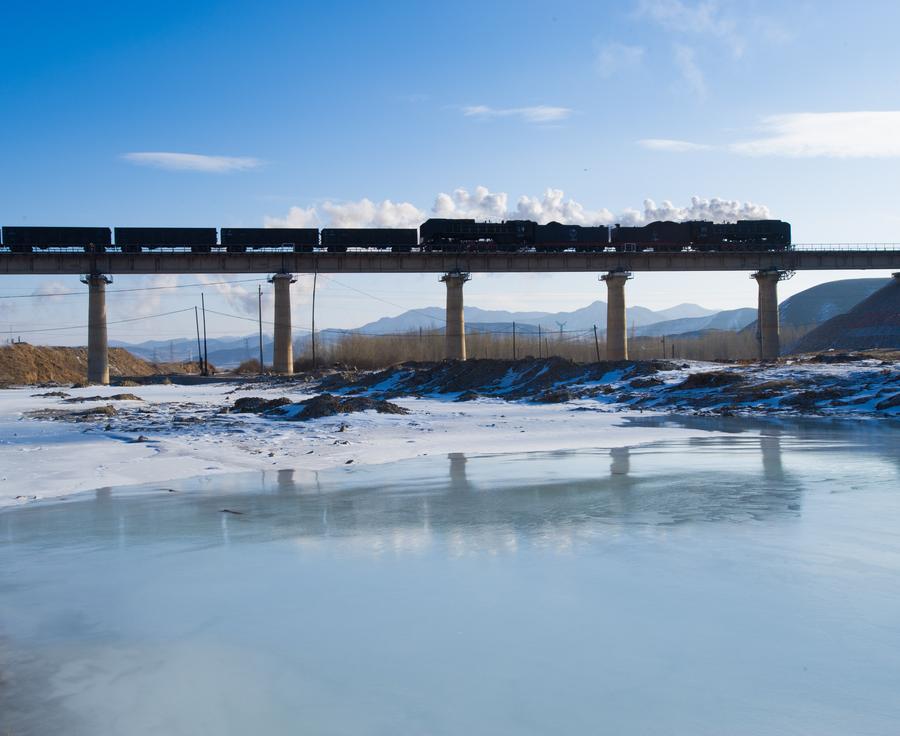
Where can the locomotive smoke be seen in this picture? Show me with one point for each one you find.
(482, 204)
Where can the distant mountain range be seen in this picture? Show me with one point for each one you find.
(432, 318)
(808, 308)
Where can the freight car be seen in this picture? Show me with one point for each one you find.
(448, 235)
(24, 239)
(298, 239)
(338, 239)
(134, 239)
(555, 236)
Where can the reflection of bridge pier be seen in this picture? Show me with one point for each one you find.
(284, 481)
(458, 479)
(621, 461)
(770, 446)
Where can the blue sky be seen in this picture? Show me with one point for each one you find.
(317, 107)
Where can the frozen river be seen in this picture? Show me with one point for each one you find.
(740, 583)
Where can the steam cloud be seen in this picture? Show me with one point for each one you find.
(483, 204)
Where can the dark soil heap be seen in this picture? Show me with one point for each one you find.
(510, 379)
(323, 405)
(328, 405)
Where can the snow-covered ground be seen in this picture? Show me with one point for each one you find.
(176, 431)
(185, 436)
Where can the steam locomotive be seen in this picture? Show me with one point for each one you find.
(433, 236)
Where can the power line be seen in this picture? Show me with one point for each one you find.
(123, 291)
(111, 322)
(379, 299)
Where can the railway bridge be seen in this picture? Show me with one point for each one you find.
(766, 267)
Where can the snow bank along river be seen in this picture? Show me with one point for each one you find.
(733, 577)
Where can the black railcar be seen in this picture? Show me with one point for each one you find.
(338, 239)
(198, 239)
(299, 239)
(24, 239)
(659, 235)
(556, 236)
(467, 235)
(702, 235)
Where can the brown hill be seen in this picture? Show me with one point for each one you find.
(873, 323)
(21, 363)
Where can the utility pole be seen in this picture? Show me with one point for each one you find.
(199, 351)
(540, 343)
(205, 351)
(259, 304)
(664, 346)
(514, 340)
(315, 278)
(596, 343)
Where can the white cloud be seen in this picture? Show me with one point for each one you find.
(151, 301)
(366, 213)
(668, 144)
(238, 296)
(296, 217)
(483, 204)
(863, 134)
(361, 213)
(614, 57)
(192, 161)
(704, 19)
(52, 290)
(534, 114)
(686, 62)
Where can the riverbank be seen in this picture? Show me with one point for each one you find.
(56, 441)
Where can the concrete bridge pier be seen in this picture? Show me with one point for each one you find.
(616, 321)
(767, 314)
(455, 332)
(98, 352)
(283, 349)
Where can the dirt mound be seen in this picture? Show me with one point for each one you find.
(511, 379)
(255, 405)
(21, 363)
(710, 379)
(83, 399)
(328, 405)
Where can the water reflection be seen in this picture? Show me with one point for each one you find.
(458, 480)
(264, 588)
(488, 502)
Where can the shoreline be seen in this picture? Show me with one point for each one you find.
(55, 443)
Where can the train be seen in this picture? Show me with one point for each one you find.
(436, 235)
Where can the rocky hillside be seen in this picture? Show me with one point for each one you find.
(21, 363)
(873, 323)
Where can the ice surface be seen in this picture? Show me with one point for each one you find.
(41, 459)
(740, 578)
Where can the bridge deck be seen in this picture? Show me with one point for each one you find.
(384, 262)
